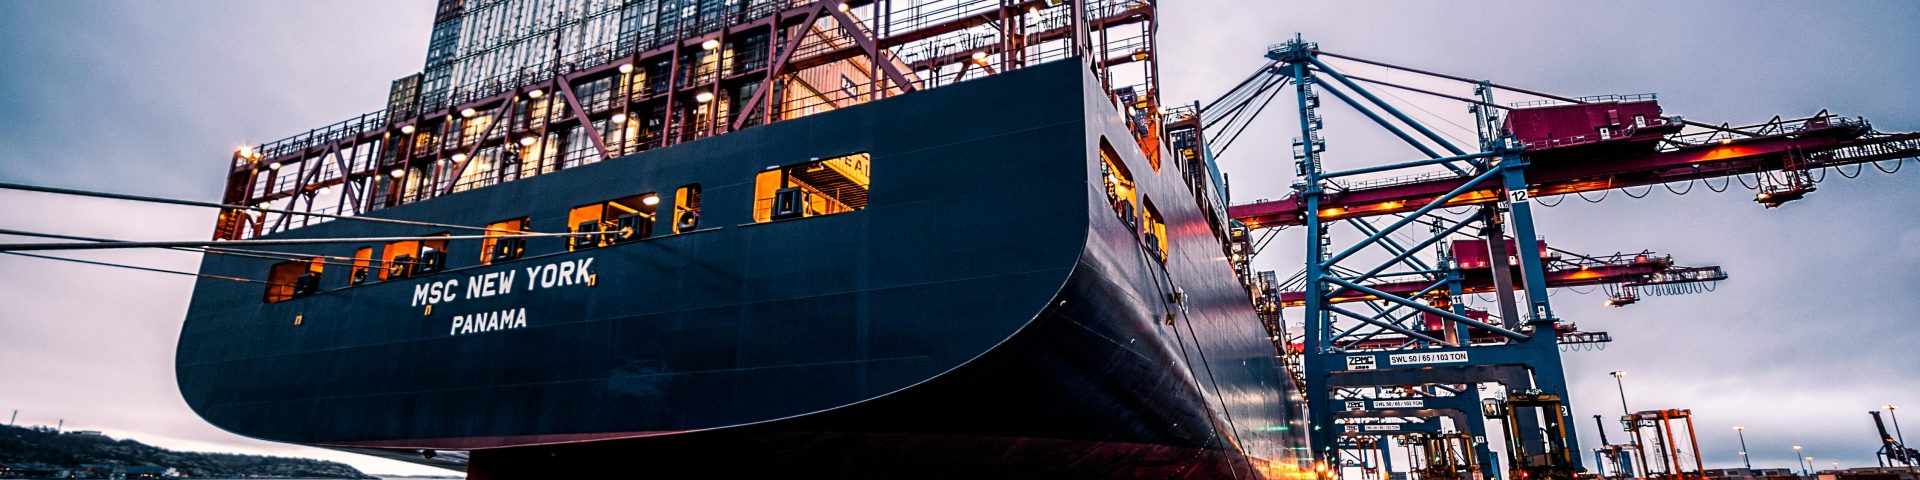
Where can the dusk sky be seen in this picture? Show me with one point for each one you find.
(1815, 328)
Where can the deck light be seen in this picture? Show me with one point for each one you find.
(710, 44)
(526, 141)
(843, 6)
(322, 190)
(406, 129)
(626, 68)
(651, 200)
(703, 97)
(467, 113)
(619, 118)
(245, 151)
(979, 56)
(459, 157)
(535, 94)
(398, 173)
(273, 166)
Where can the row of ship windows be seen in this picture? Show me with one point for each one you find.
(814, 188)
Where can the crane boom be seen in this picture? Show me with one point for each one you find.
(1816, 142)
(1891, 448)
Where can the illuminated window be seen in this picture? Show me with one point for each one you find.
(1119, 183)
(1156, 229)
(407, 258)
(293, 279)
(686, 208)
(362, 266)
(820, 187)
(502, 243)
(620, 220)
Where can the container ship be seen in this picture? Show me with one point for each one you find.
(946, 239)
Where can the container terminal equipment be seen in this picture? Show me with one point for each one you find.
(1387, 349)
(927, 239)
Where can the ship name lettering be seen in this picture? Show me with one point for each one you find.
(489, 321)
(431, 293)
(490, 284)
(557, 274)
(573, 272)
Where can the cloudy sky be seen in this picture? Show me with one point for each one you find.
(1814, 329)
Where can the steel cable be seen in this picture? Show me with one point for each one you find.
(266, 254)
(1543, 201)
(1896, 166)
(1669, 186)
(196, 203)
(1723, 185)
(1857, 170)
(1643, 194)
(1430, 114)
(146, 269)
(8, 247)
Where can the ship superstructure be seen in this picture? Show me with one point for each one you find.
(513, 89)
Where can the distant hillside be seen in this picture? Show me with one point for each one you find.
(69, 450)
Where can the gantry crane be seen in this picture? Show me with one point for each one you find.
(1614, 460)
(1622, 276)
(1893, 453)
(1557, 146)
(1466, 264)
(1442, 456)
(1553, 461)
(1673, 451)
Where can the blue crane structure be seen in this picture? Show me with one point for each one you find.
(1362, 343)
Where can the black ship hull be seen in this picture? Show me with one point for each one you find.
(988, 313)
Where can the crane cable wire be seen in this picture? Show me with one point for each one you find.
(1857, 170)
(1896, 166)
(196, 203)
(1669, 187)
(1430, 113)
(145, 269)
(249, 253)
(11, 247)
(1723, 185)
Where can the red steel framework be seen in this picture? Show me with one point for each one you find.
(722, 66)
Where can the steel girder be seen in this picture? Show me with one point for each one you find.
(1425, 357)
